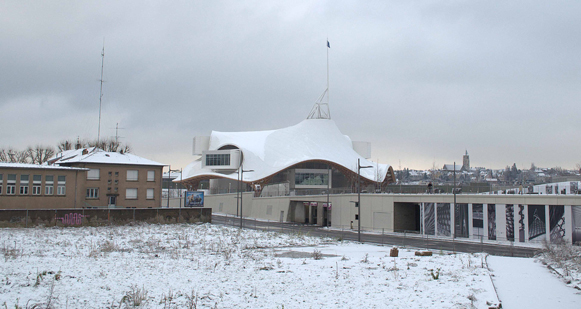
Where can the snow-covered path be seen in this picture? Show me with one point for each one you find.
(524, 283)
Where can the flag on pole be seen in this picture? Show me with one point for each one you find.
(328, 44)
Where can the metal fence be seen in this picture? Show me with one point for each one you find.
(402, 238)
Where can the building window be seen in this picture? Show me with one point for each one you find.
(11, 184)
(49, 185)
(36, 184)
(116, 181)
(116, 174)
(110, 173)
(93, 193)
(131, 194)
(150, 194)
(62, 185)
(217, 159)
(24, 184)
(311, 179)
(1, 183)
(93, 174)
(150, 175)
(132, 175)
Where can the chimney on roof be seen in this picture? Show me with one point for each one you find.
(85, 151)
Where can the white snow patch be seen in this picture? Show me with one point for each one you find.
(228, 268)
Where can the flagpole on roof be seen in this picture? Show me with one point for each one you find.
(316, 112)
(328, 47)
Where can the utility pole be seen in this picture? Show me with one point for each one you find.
(454, 227)
(168, 183)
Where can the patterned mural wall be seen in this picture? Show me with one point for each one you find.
(444, 219)
(510, 222)
(461, 220)
(478, 219)
(576, 211)
(537, 223)
(429, 219)
(521, 223)
(557, 222)
(491, 222)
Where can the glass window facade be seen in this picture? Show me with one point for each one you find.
(311, 179)
(221, 159)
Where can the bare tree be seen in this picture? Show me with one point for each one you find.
(65, 145)
(40, 154)
(110, 145)
(14, 156)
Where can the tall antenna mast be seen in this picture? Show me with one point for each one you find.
(321, 109)
(101, 91)
(117, 133)
(117, 137)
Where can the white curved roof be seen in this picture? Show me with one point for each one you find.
(269, 152)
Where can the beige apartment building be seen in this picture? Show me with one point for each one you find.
(34, 186)
(82, 178)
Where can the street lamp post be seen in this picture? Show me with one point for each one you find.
(169, 184)
(242, 193)
(454, 227)
(359, 167)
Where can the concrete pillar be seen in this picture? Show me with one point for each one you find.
(500, 222)
(569, 224)
(485, 221)
(470, 221)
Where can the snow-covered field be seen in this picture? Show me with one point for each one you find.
(210, 266)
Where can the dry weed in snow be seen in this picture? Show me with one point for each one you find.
(210, 266)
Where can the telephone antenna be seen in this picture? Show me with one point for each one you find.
(117, 137)
(101, 91)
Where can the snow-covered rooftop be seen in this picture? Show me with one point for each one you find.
(269, 152)
(36, 166)
(92, 155)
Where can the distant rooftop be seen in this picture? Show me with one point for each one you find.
(96, 155)
(36, 166)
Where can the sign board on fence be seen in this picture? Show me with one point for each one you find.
(194, 199)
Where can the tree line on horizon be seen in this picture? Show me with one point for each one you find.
(40, 154)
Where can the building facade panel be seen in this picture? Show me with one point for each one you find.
(43, 189)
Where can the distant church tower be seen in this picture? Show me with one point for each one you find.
(466, 162)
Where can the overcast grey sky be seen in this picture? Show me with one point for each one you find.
(422, 80)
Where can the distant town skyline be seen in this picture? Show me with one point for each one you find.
(423, 82)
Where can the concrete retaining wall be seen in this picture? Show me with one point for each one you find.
(94, 217)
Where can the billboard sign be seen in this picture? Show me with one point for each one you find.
(194, 199)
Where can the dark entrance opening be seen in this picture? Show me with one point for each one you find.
(406, 217)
